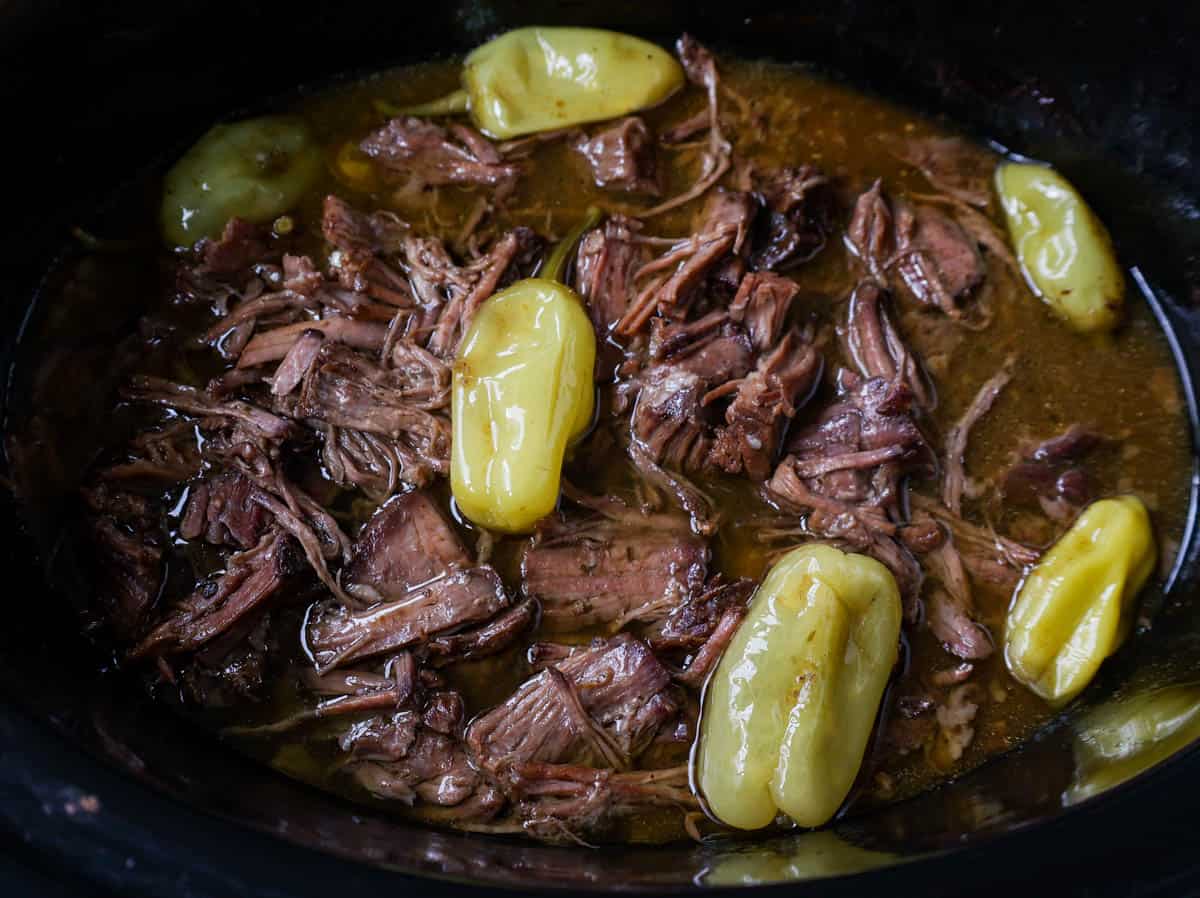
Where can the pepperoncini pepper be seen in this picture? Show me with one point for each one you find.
(1063, 248)
(255, 169)
(1075, 607)
(792, 702)
(1121, 738)
(522, 394)
(539, 79)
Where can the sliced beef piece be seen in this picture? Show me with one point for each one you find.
(275, 344)
(345, 389)
(608, 259)
(875, 344)
(230, 669)
(599, 704)
(418, 150)
(796, 220)
(761, 306)
(498, 634)
(127, 554)
(562, 803)
(609, 569)
(918, 250)
(763, 406)
(251, 579)
(674, 280)
(955, 167)
(416, 755)
(860, 447)
(621, 157)
(1050, 473)
(222, 510)
(406, 543)
(295, 364)
(359, 240)
(336, 636)
(845, 473)
(692, 621)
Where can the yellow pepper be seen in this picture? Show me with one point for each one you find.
(793, 700)
(255, 169)
(1118, 740)
(522, 394)
(1075, 607)
(1063, 248)
(539, 79)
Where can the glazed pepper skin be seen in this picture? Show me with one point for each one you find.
(522, 393)
(1075, 607)
(1063, 248)
(1121, 738)
(793, 700)
(541, 79)
(255, 169)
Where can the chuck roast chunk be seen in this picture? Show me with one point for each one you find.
(621, 157)
(874, 343)
(607, 260)
(127, 555)
(250, 580)
(336, 636)
(418, 150)
(407, 542)
(764, 404)
(761, 306)
(345, 389)
(796, 219)
(918, 250)
(222, 510)
(1051, 474)
(609, 569)
(598, 705)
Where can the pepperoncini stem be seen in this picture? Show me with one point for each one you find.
(454, 103)
(557, 262)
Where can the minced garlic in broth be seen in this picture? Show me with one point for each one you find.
(1124, 386)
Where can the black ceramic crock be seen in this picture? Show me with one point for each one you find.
(114, 794)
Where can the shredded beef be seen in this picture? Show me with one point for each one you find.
(416, 149)
(796, 220)
(621, 156)
(610, 569)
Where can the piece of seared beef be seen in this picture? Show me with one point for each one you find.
(875, 344)
(358, 239)
(406, 542)
(347, 390)
(692, 622)
(250, 580)
(986, 554)
(230, 668)
(335, 635)
(414, 149)
(126, 554)
(918, 250)
(607, 260)
(612, 567)
(674, 280)
(1050, 473)
(563, 803)
(621, 157)
(951, 607)
(845, 472)
(796, 220)
(761, 306)
(240, 245)
(599, 705)
(763, 405)
(221, 510)
(415, 754)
